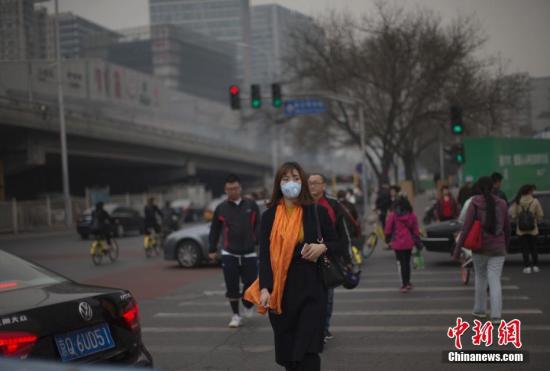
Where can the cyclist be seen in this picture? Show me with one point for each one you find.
(102, 223)
(151, 211)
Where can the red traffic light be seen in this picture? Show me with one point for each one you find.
(233, 90)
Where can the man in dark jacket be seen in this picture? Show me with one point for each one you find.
(239, 220)
(497, 184)
(344, 231)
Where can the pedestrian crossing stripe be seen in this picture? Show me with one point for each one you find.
(384, 312)
(365, 301)
(387, 289)
(334, 329)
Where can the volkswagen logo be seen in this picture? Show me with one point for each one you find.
(85, 311)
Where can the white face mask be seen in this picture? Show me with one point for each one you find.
(291, 189)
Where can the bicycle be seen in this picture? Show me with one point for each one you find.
(98, 250)
(151, 243)
(376, 235)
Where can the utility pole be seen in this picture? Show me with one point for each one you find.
(62, 133)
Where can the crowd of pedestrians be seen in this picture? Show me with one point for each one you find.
(275, 257)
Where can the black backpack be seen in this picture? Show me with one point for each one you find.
(526, 219)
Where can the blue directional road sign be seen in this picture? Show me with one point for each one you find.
(296, 107)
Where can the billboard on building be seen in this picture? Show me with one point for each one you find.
(90, 79)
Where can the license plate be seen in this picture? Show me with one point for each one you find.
(81, 343)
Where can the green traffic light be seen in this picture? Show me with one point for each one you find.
(277, 103)
(457, 128)
(256, 103)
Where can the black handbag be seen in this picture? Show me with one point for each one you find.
(331, 273)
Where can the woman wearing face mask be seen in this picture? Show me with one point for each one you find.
(290, 285)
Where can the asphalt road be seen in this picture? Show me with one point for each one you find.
(184, 314)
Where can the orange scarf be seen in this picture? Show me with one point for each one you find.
(285, 234)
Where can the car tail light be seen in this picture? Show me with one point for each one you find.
(131, 315)
(16, 343)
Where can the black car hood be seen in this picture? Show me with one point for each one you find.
(41, 296)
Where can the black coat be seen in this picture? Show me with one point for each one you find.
(299, 329)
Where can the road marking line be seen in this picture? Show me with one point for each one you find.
(384, 312)
(365, 301)
(418, 289)
(452, 271)
(386, 289)
(335, 329)
(367, 349)
(422, 280)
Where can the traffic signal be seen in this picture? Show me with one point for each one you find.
(235, 97)
(255, 96)
(457, 126)
(276, 96)
(458, 154)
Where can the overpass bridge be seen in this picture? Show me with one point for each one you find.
(124, 129)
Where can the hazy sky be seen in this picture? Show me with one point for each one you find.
(518, 30)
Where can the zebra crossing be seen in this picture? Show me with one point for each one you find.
(189, 329)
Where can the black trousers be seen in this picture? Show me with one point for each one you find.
(235, 270)
(311, 362)
(404, 258)
(528, 247)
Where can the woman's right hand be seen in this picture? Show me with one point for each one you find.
(265, 296)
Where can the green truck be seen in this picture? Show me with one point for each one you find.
(519, 160)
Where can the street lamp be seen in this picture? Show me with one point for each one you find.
(62, 132)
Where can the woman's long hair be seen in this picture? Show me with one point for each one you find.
(304, 198)
(485, 185)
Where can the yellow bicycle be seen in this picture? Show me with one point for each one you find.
(98, 250)
(151, 244)
(377, 234)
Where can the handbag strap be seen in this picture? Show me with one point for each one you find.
(318, 225)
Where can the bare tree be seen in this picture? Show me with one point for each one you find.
(406, 69)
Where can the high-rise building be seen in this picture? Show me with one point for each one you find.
(272, 28)
(73, 33)
(182, 59)
(224, 20)
(22, 30)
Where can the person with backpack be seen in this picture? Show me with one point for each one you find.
(527, 212)
(402, 231)
(492, 213)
